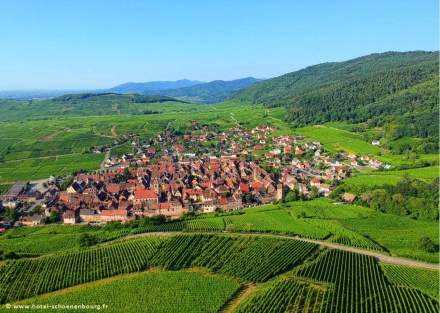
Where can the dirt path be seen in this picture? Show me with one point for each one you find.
(378, 255)
(113, 130)
(231, 305)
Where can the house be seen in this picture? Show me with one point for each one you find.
(145, 196)
(348, 197)
(88, 216)
(69, 217)
(375, 142)
(32, 220)
(113, 215)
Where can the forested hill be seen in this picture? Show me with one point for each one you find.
(400, 88)
(86, 104)
(212, 92)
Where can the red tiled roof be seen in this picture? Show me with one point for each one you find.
(165, 206)
(114, 212)
(256, 185)
(142, 193)
(244, 187)
(112, 188)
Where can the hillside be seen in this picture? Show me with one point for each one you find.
(153, 86)
(212, 92)
(85, 104)
(398, 89)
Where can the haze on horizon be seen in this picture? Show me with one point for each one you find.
(90, 45)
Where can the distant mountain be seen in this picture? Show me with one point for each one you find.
(153, 86)
(212, 92)
(398, 89)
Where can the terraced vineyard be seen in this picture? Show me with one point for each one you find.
(360, 286)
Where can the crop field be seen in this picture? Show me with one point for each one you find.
(424, 280)
(26, 278)
(279, 221)
(159, 291)
(325, 209)
(286, 295)
(391, 177)
(360, 286)
(290, 275)
(400, 235)
(38, 168)
(53, 238)
(335, 139)
(35, 149)
(250, 258)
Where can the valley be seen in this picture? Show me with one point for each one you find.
(275, 199)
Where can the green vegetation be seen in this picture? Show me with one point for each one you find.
(286, 295)
(369, 179)
(26, 278)
(335, 139)
(360, 286)
(398, 91)
(409, 197)
(424, 280)
(41, 240)
(160, 292)
(211, 92)
(400, 235)
(249, 258)
(88, 105)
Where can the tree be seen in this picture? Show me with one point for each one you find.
(314, 193)
(292, 195)
(53, 217)
(426, 244)
(87, 240)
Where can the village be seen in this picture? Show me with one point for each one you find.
(200, 170)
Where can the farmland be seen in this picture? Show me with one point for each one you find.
(425, 280)
(287, 274)
(350, 225)
(152, 290)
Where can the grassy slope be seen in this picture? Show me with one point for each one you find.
(159, 291)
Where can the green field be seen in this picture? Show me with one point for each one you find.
(156, 292)
(335, 139)
(288, 274)
(35, 149)
(425, 280)
(374, 178)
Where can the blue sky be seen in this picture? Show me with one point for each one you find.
(97, 44)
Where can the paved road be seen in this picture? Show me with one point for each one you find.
(379, 256)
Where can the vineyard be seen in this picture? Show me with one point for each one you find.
(247, 257)
(29, 277)
(286, 295)
(360, 286)
(425, 280)
(312, 280)
(158, 291)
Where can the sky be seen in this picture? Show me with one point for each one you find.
(63, 44)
